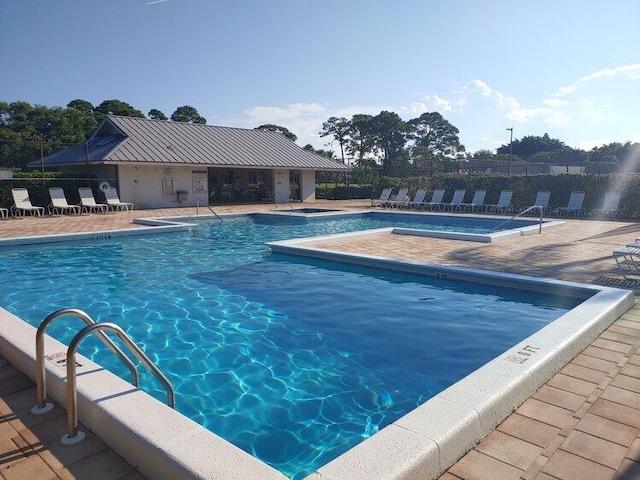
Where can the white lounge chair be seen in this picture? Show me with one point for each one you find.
(401, 199)
(22, 204)
(628, 260)
(418, 199)
(610, 206)
(542, 201)
(59, 204)
(504, 203)
(436, 200)
(456, 201)
(385, 195)
(88, 201)
(477, 202)
(4, 213)
(574, 206)
(114, 203)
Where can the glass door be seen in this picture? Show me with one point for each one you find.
(294, 185)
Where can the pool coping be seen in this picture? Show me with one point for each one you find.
(181, 223)
(469, 237)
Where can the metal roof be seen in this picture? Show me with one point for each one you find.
(140, 140)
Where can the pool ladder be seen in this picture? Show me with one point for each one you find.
(73, 435)
(199, 204)
(527, 210)
(284, 199)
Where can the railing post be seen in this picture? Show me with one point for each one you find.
(42, 406)
(73, 435)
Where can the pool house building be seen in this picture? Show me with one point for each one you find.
(159, 164)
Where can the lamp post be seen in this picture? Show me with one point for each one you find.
(510, 150)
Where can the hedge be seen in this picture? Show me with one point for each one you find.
(524, 189)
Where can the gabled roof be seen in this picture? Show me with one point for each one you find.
(140, 140)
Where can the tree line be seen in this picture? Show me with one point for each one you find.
(428, 141)
(29, 131)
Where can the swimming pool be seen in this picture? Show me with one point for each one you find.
(220, 269)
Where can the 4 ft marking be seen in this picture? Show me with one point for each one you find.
(524, 354)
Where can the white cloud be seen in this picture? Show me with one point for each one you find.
(439, 104)
(633, 72)
(263, 114)
(574, 114)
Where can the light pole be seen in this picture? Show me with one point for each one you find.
(510, 150)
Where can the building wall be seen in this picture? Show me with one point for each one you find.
(144, 185)
(150, 186)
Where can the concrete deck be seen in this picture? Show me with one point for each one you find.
(583, 423)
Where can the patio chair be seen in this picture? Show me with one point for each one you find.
(88, 201)
(477, 202)
(542, 200)
(4, 213)
(401, 199)
(456, 201)
(504, 203)
(418, 199)
(22, 204)
(114, 203)
(610, 206)
(574, 206)
(59, 204)
(436, 200)
(385, 195)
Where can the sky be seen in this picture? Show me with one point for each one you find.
(569, 68)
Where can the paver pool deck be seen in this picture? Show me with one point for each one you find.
(583, 424)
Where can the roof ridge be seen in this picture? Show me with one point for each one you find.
(173, 122)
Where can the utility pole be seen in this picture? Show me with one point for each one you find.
(510, 150)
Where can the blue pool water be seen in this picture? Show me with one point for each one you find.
(294, 360)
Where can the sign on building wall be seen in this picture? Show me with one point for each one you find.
(199, 180)
(167, 183)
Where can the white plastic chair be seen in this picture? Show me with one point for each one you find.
(59, 204)
(22, 204)
(477, 203)
(610, 206)
(574, 206)
(114, 203)
(456, 201)
(88, 201)
(504, 203)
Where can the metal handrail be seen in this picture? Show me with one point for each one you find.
(42, 406)
(287, 200)
(73, 436)
(198, 201)
(528, 209)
